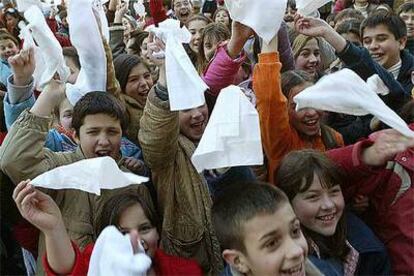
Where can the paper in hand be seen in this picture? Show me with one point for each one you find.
(232, 136)
(263, 16)
(113, 255)
(89, 175)
(85, 18)
(185, 86)
(51, 60)
(345, 92)
(307, 7)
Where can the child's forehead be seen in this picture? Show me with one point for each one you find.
(380, 29)
(4, 41)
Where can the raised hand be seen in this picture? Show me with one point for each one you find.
(37, 207)
(134, 165)
(23, 66)
(311, 26)
(387, 144)
(155, 47)
(121, 10)
(240, 34)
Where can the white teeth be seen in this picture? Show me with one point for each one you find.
(327, 217)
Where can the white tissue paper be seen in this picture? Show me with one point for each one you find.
(140, 8)
(24, 5)
(263, 16)
(345, 92)
(51, 60)
(85, 27)
(308, 7)
(113, 255)
(89, 175)
(232, 136)
(185, 86)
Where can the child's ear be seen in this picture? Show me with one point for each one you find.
(76, 137)
(403, 42)
(237, 260)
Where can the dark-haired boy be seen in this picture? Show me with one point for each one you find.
(259, 233)
(99, 120)
(384, 36)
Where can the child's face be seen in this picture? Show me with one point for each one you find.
(183, 10)
(319, 209)
(74, 70)
(196, 28)
(134, 218)
(139, 83)
(309, 58)
(307, 120)
(193, 122)
(274, 244)
(210, 46)
(8, 49)
(65, 114)
(289, 14)
(100, 135)
(382, 45)
(408, 18)
(222, 17)
(11, 21)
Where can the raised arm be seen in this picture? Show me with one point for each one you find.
(20, 86)
(158, 134)
(41, 211)
(277, 134)
(22, 154)
(355, 58)
(228, 59)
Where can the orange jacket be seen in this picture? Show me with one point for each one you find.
(278, 136)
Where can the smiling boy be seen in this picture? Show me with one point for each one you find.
(259, 233)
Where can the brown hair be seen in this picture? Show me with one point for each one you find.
(295, 175)
(98, 103)
(219, 9)
(72, 53)
(213, 31)
(113, 208)
(198, 17)
(239, 203)
(300, 42)
(8, 36)
(293, 78)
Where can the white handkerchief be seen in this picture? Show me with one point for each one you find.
(307, 7)
(185, 87)
(345, 92)
(140, 8)
(24, 5)
(86, 37)
(48, 45)
(113, 255)
(232, 136)
(26, 36)
(263, 16)
(89, 175)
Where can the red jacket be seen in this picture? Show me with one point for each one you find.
(163, 264)
(391, 195)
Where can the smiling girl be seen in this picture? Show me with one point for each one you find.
(339, 242)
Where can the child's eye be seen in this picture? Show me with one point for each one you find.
(312, 197)
(271, 244)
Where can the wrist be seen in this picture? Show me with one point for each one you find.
(235, 47)
(21, 80)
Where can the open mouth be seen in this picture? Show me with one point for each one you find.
(311, 123)
(327, 218)
(377, 57)
(185, 14)
(296, 270)
(101, 153)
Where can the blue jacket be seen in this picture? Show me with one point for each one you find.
(373, 257)
(5, 71)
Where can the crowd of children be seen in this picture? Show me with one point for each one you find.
(333, 197)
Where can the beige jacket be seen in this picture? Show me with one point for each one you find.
(135, 111)
(183, 196)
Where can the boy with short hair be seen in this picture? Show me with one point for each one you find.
(384, 36)
(8, 48)
(99, 120)
(406, 13)
(258, 232)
